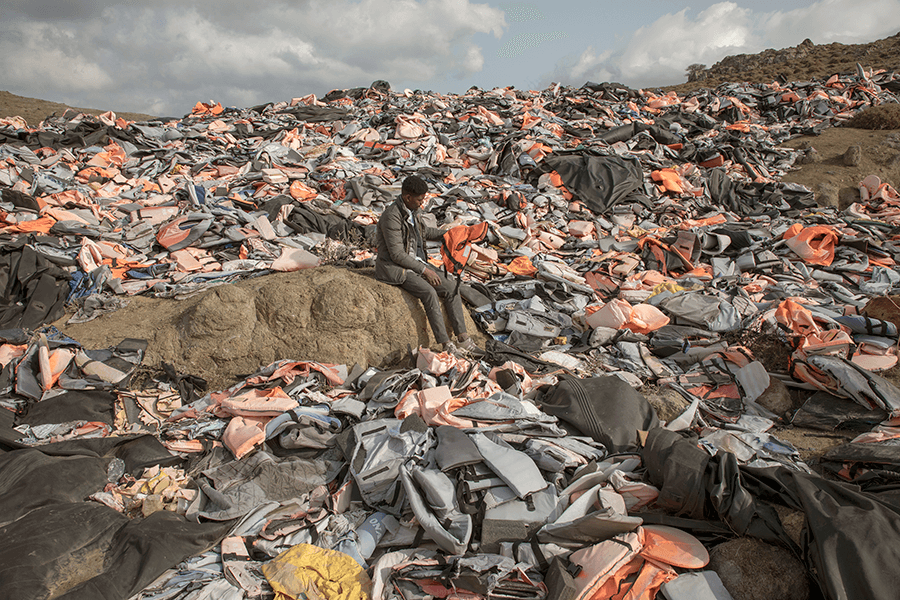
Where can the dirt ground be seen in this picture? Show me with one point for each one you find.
(834, 181)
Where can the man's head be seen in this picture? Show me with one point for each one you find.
(413, 192)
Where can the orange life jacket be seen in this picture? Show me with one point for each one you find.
(456, 245)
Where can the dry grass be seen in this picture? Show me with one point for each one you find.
(884, 116)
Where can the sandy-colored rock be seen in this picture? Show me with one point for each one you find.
(810, 155)
(793, 522)
(826, 194)
(667, 403)
(847, 195)
(853, 156)
(777, 398)
(327, 314)
(754, 570)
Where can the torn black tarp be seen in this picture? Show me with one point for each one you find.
(33, 289)
(626, 132)
(599, 181)
(87, 551)
(828, 412)
(605, 408)
(850, 536)
(695, 485)
(136, 451)
(71, 405)
(57, 545)
(849, 539)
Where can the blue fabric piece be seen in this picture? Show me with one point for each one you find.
(81, 285)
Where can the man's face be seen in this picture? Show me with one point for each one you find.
(414, 201)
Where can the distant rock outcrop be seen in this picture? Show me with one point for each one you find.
(805, 61)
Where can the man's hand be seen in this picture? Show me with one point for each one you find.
(431, 277)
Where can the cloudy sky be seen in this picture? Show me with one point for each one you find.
(162, 56)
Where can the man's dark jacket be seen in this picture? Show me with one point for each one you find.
(396, 243)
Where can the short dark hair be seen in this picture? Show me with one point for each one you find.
(413, 186)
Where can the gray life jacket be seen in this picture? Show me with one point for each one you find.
(382, 446)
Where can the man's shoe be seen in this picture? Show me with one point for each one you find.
(469, 347)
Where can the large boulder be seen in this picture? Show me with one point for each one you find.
(326, 314)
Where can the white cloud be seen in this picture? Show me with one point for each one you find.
(659, 53)
(845, 21)
(162, 57)
(668, 45)
(58, 10)
(473, 61)
(52, 60)
(590, 66)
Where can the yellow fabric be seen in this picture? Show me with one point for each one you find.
(669, 286)
(306, 571)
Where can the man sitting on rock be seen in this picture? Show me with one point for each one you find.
(402, 261)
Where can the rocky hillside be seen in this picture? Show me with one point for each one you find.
(34, 110)
(806, 60)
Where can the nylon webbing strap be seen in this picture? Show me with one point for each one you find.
(543, 565)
